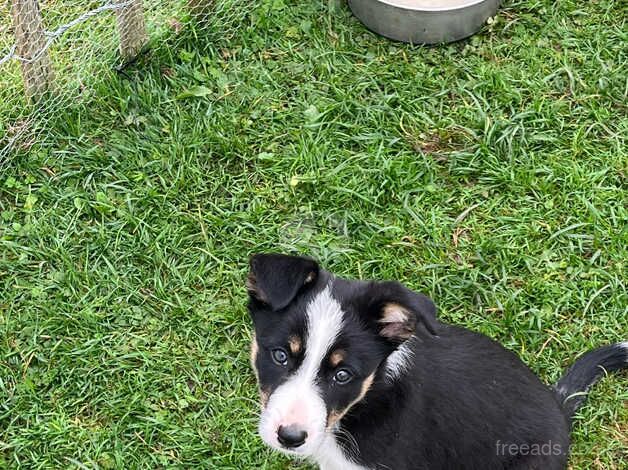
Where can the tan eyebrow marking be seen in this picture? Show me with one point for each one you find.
(295, 344)
(337, 357)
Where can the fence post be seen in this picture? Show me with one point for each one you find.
(132, 28)
(30, 42)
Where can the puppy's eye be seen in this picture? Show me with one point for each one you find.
(343, 376)
(280, 356)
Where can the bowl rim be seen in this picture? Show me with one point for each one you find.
(406, 5)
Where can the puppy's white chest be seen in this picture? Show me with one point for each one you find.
(331, 457)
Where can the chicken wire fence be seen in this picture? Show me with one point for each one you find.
(54, 52)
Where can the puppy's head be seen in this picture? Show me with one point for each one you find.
(321, 343)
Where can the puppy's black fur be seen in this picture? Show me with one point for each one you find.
(461, 402)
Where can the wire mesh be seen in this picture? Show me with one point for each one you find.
(82, 43)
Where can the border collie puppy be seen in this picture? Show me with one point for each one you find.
(361, 375)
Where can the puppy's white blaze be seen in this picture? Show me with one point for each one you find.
(399, 361)
(298, 400)
(324, 322)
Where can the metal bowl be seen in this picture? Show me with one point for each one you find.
(424, 21)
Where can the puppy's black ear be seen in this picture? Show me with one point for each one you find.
(275, 280)
(397, 312)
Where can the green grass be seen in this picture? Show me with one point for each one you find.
(489, 174)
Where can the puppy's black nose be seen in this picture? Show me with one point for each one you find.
(291, 436)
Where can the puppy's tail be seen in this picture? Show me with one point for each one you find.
(572, 388)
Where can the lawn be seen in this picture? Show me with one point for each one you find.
(489, 174)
